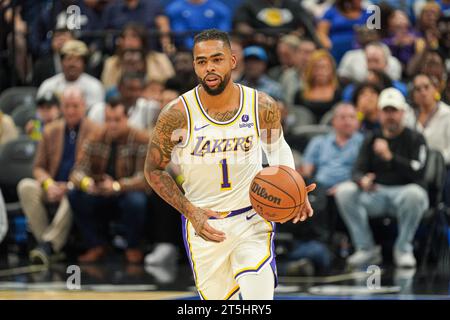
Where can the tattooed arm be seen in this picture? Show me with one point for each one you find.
(168, 132)
(275, 147)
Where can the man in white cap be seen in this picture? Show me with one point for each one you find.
(387, 179)
(73, 59)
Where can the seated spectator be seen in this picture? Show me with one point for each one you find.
(141, 113)
(263, 21)
(3, 219)
(432, 115)
(356, 63)
(109, 180)
(196, 15)
(321, 88)
(184, 70)
(328, 161)
(135, 37)
(255, 72)
(73, 59)
(387, 179)
(401, 40)
(147, 13)
(286, 49)
(50, 64)
(430, 63)
(153, 91)
(56, 154)
(426, 24)
(336, 28)
(47, 111)
(8, 130)
(432, 119)
(172, 90)
(365, 100)
(131, 61)
(378, 77)
(291, 80)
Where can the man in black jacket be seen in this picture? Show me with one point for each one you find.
(387, 179)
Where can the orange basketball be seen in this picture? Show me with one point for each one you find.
(277, 192)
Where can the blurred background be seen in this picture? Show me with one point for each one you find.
(82, 83)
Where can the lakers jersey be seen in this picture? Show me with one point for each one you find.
(219, 159)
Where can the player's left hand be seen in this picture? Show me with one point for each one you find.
(306, 211)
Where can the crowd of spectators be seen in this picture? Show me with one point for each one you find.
(103, 69)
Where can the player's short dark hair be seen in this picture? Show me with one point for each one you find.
(212, 34)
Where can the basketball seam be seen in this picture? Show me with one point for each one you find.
(278, 188)
(300, 194)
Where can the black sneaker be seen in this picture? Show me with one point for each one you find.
(41, 254)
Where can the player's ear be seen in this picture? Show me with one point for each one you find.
(233, 61)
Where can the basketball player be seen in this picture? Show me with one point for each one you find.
(215, 132)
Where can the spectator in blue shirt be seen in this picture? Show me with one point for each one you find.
(197, 15)
(254, 73)
(148, 13)
(336, 28)
(329, 158)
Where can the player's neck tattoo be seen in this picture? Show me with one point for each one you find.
(222, 116)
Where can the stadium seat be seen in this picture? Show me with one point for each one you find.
(13, 97)
(16, 162)
(299, 116)
(301, 135)
(437, 238)
(326, 118)
(22, 114)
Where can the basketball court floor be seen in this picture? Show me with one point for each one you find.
(116, 280)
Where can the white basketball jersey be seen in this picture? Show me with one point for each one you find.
(220, 159)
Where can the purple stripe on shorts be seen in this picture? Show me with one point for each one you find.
(185, 241)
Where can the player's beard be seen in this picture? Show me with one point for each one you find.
(216, 91)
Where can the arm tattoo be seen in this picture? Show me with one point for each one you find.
(269, 117)
(164, 139)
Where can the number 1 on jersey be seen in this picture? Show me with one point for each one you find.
(226, 184)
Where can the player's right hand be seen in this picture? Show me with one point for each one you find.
(199, 219)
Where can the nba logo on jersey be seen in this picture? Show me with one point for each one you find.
(245, 119)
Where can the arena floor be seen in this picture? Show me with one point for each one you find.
(115, 280)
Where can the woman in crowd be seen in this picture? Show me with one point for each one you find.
(134, 37)
(321, 89)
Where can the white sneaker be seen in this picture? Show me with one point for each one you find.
(404, 259)
(365, 257)
(163, 254)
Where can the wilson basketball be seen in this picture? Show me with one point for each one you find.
(277, 192)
